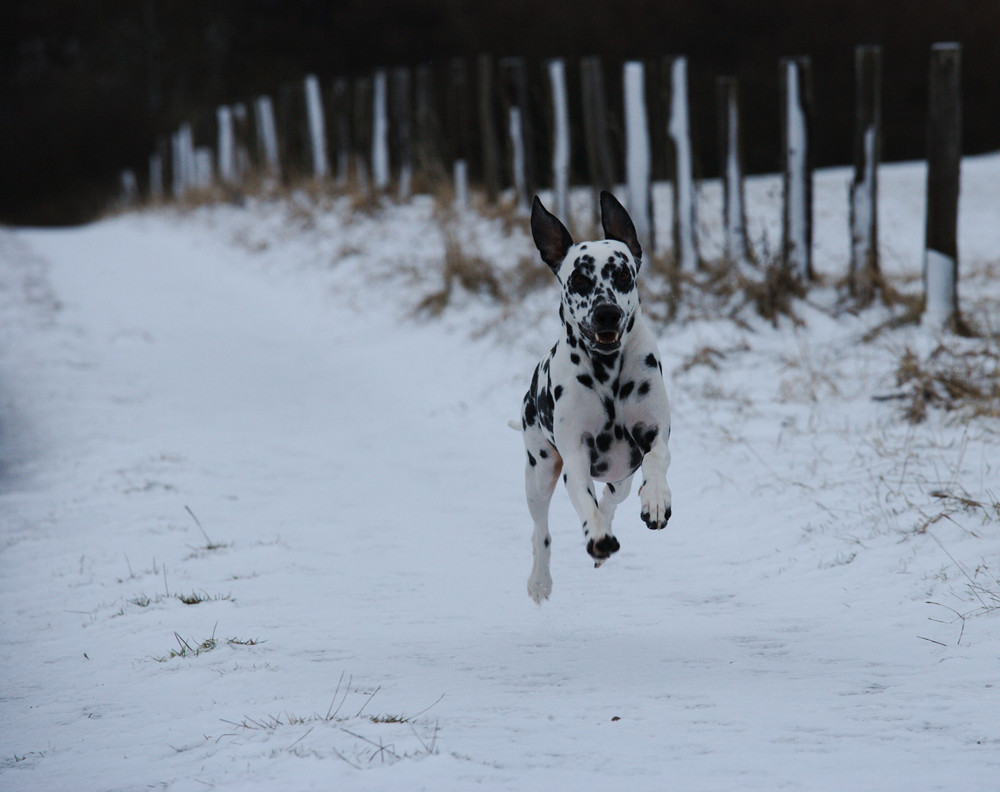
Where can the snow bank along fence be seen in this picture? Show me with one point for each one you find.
(508, 126)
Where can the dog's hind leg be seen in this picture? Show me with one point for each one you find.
(614, 494)
(540, 476)
(601, 543)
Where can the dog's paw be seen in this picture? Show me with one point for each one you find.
(601, 549)
(655, 500)
(539, 585)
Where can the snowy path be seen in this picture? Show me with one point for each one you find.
(355, 474)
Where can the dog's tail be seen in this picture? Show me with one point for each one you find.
(515, 425)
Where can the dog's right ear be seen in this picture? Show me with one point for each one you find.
(551, 237)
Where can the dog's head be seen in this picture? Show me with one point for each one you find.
(598, 278)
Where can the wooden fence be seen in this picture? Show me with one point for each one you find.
(513, 125)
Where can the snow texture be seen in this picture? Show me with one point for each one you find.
(638, 158)
(940, 275)
(679, 129)
(262, 528)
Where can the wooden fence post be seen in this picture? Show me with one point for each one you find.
(459, 124)
(401, 124)
(796, 100)
(362, 134)
(681, 166)
(487, 129)
(560, 137)
(380, 132)
(638, 157)
(317, 128)
(944, 152)
(518, 95)
(428, 129)
(226, 145)
(600, 162)
(734, 216)
(339, 103)
(267, 137)
(864, 268)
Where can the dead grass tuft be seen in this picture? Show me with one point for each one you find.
(966, 381)
(472, 273)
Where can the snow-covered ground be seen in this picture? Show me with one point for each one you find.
(263, 525)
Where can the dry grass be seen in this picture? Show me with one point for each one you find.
(966, 382)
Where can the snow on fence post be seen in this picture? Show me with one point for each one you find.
(864, 268)
(401, 123)
(227, 145)
(317, 128)
(560, 137)
(944, 151)
(517, 160)
(796, 100)
(267, 136)
(185, 173)
(600, 163)
(241, 154)
(362, 133)
(380, 133)
(638, 158)
(487, 128)
(731, 162)
(129, 188)
(204, 172)
(682, 167)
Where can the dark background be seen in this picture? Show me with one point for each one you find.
(87, 85)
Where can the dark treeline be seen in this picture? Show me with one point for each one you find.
(87, 85)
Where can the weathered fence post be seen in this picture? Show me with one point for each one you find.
(681, 166)
(459, 123)
(380, 133)
(156, 161)
(267, 136)
(600, 162)
(227, 145)
(340, 111)
(517, 160)
(401, 123)
(487, 129)
(560, 137)
(362, 133)
(638, 158)
(317, 128)
(944, 152)
(864, 272)
(796, 101)
(516, 89)
(428, 129)
(241, 152)
(737, 249)
(185, 169)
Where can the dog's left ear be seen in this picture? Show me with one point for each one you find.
(551, 237)
(618, 225)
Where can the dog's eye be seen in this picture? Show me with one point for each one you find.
(624, 280)
(580, 283)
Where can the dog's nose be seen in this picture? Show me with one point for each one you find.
(606, 316)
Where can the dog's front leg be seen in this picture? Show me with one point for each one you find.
(601, 543)
(654, 494)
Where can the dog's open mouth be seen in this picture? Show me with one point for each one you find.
(608, 338)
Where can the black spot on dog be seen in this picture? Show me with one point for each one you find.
(626, 390)
(599, 469)
(543, 453)
(631, 322)
(531, 460)
(609, 408)
(619, 432)
(611, 488)
(548, 541)
(603, 441)
(651, 360)
(585, 380)
(557, 392)
(574, 359)
(635, 458)
(529, 413)
(644, 388)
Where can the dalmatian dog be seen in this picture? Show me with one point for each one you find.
(597, 407)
